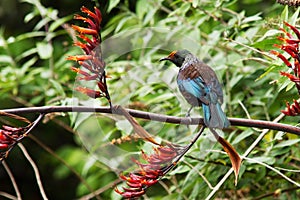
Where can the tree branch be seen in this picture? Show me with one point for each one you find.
(156, 117)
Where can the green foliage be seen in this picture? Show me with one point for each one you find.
(233, 37)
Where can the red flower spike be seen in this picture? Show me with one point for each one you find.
(10, 136)
(291, 46)
(131, 194)
(286, 33)
(87, 31)
(91, 14)
(79, 71)
(89, 92)
(294, 29)
(86, 66)
(290, 50)
(90, 40)
(98, 13)
(148, 174)
(3, 146)
(292, 110)
(279, 55)
(290, 76)
(80, 58)
(88, 78)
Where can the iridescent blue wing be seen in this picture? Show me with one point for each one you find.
(194, 87)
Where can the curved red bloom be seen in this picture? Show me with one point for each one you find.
(10, 136)
(290, 45)
(157, 165)
(292, 110)
(92, 62)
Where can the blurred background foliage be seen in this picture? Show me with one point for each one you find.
(233, 37)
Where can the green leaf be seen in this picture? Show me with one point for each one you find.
(58, 88)
(256, 17)
(285, 14)
(125, 126)
(264, 159)
(272, 68)
(295, 16)
(195, 3)
(29, 17)
(266, 44)
(30, 35)
(290, 86)
(112, 4)
(25, 54)
(287, 143)
(59, 22)
(242, 136)
(42, 23)
(44, 50)
(6, 59)
(26, 66)
(141, 9)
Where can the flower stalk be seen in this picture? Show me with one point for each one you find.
(290, 45)
(93, 66)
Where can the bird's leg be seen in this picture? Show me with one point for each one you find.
(188, 114)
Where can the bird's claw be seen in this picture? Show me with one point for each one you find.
(188, 115)
(189, 120)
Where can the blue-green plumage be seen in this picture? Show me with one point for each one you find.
(199, 85)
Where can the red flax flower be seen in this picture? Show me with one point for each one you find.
(10, 136)
(157, 165)
(290, 45)
(292, 110)
(92, 62)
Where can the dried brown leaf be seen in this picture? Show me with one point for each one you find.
(232, 153)
(138, 129)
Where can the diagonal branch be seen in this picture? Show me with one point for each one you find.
(157, 117)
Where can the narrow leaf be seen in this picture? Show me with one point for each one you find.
(232, 153)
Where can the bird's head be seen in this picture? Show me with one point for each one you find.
(177, 57)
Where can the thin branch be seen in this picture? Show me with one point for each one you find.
(273, 169)
(200, 174)
(251, 48)
(35, 123)
(252, 160)
(11, 176)
(101, 190)
(158, 117)
(185, 150)
(288, 170)
(35, 169)
(8, 196)
(50, 151)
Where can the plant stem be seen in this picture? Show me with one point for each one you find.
(158, 117)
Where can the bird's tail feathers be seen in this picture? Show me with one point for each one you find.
(214, 117)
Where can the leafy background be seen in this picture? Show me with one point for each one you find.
(233, 37)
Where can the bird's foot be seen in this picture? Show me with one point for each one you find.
(189, 119)
(188, 115)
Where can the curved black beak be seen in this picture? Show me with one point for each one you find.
(162, 59)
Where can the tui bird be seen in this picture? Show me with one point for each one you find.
(199, 85)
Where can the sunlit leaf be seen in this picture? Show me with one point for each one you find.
(44, 50)
(287, 143)
(112, 4)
